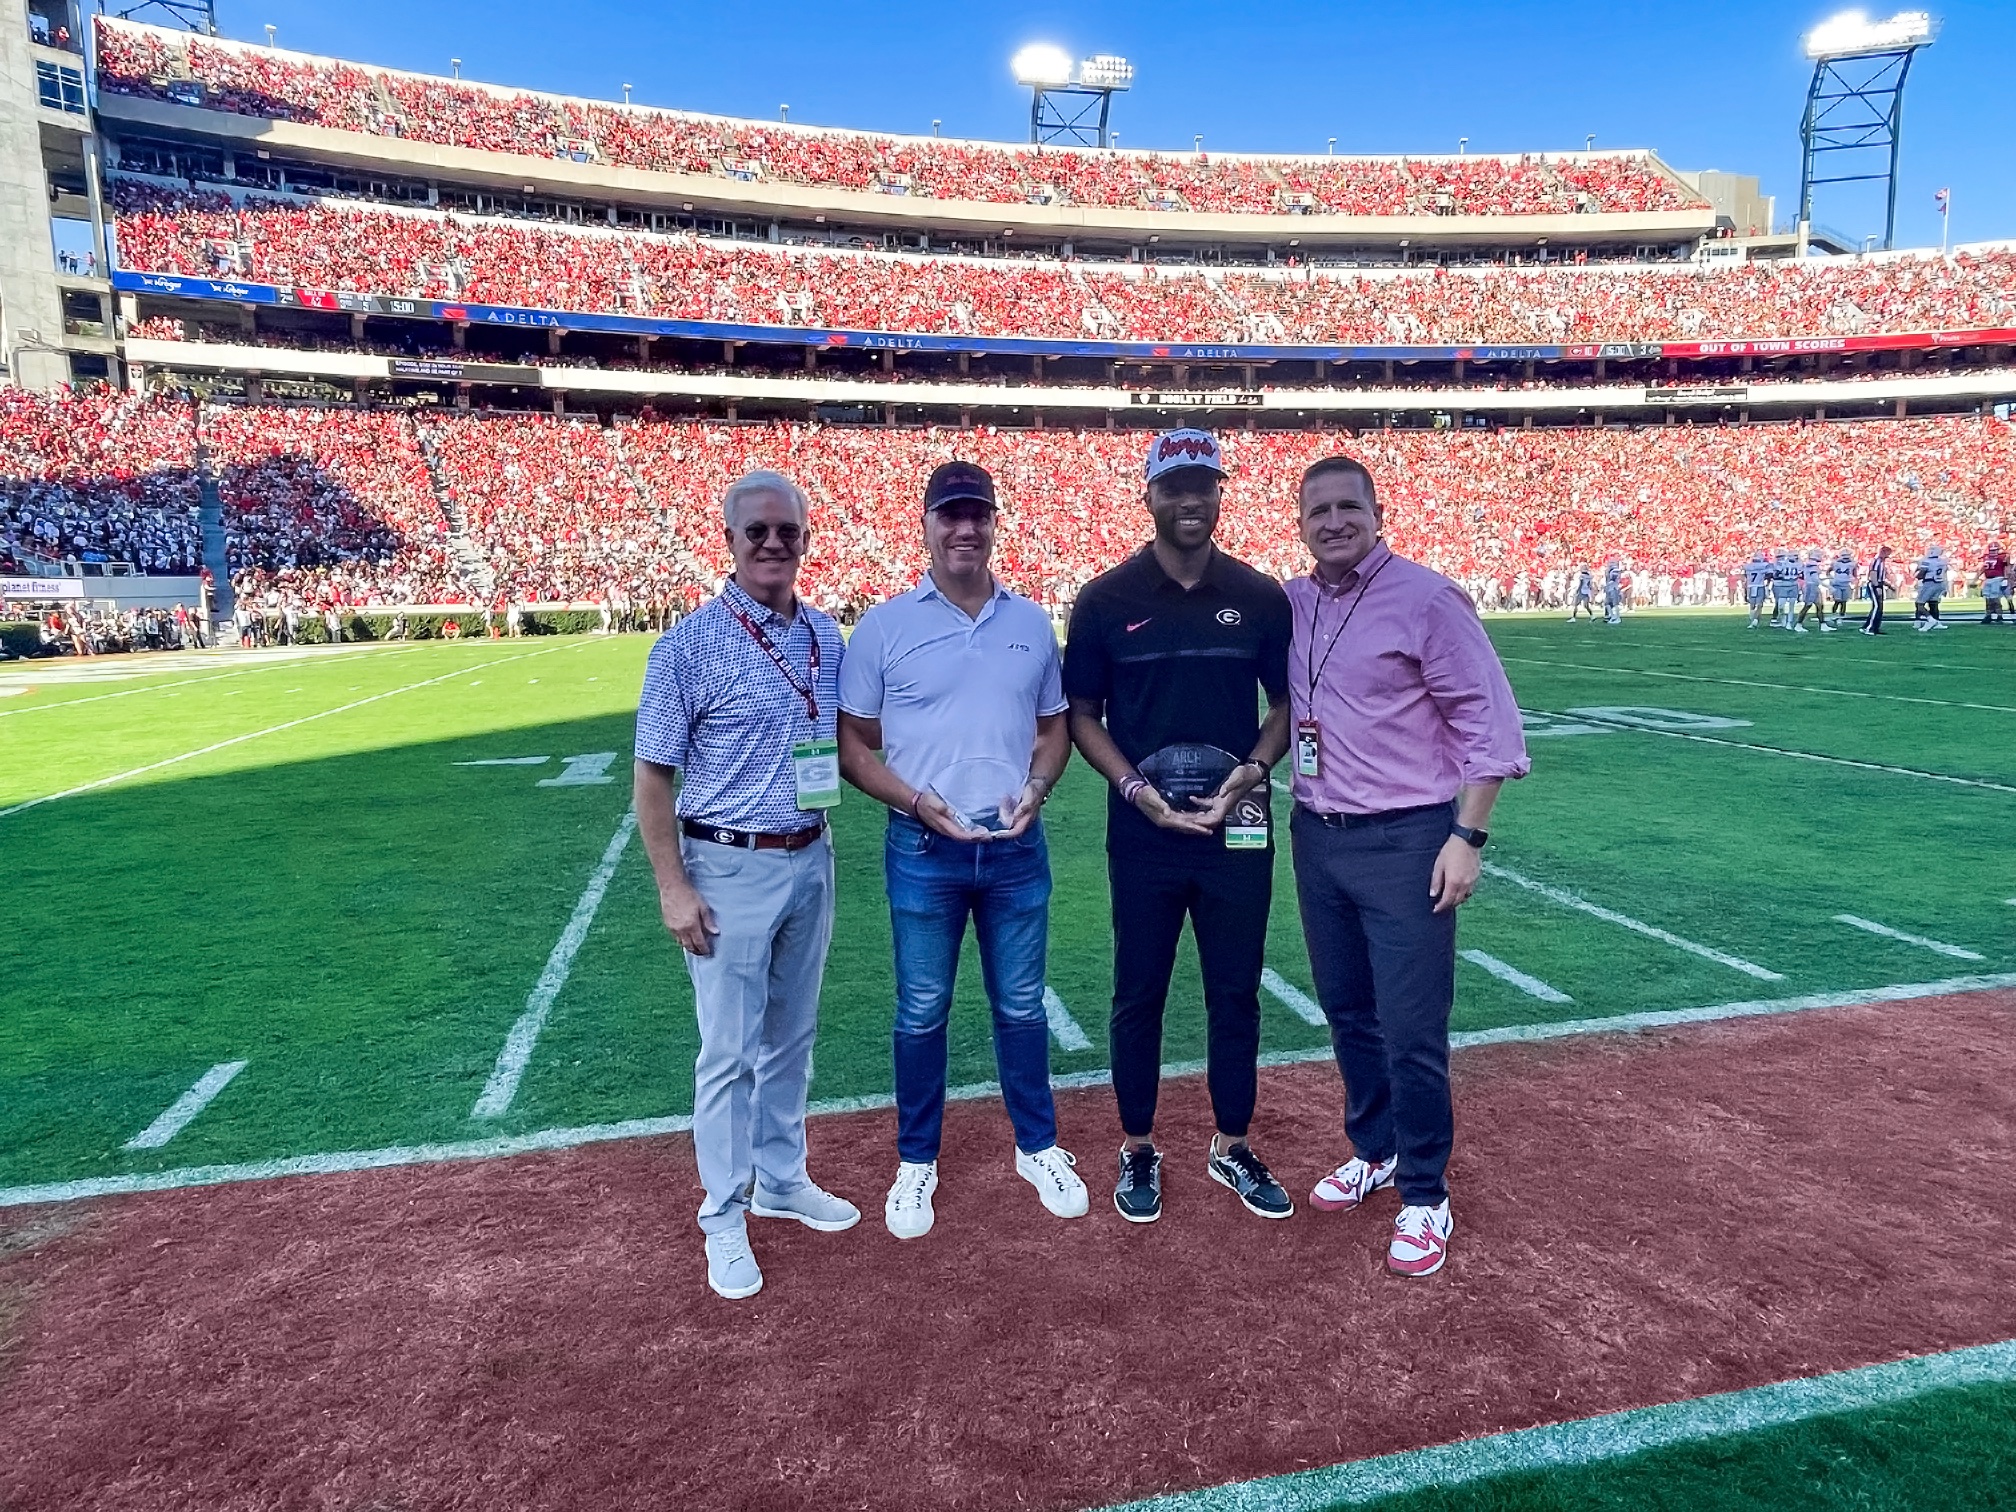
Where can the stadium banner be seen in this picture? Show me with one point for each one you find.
(41, 588)
(464, 372)
(1198, 398)
(1700, 393)
(186, 287)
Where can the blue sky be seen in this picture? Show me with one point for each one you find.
(1709, 84)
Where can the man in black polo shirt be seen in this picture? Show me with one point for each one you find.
(1166, 660)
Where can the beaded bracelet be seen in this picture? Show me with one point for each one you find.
(1131, 789)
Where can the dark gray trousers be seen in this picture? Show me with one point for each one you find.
(1385, 969)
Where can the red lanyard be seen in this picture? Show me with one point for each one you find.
(809, 694)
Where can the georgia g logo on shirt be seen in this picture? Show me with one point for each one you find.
(1227, 616)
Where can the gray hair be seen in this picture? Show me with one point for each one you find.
(764, 480)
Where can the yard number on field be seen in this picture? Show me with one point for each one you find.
(590, 770)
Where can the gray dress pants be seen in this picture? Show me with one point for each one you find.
(757, 998)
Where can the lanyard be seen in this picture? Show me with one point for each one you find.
(1316, 610)
(798, 685)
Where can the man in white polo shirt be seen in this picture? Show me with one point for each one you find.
(958, 684)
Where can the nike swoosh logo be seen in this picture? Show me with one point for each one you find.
(1138, 624)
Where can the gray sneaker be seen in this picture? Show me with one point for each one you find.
(812, 1207)
(731, 1269)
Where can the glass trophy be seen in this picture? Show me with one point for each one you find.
(982, 791)
(1187, 770)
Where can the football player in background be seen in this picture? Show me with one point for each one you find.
(1613, 593)
(1931, 575)
(1995, 585)
(1583, 596)
(1841, 584)
(1784, 589)
(1756, 583)
(1810, 576)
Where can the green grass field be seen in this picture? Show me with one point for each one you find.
(282, 862)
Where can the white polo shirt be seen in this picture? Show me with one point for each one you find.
(948, 688)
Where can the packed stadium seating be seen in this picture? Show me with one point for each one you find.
(266, 83)
(336, 505)
(98, 477)
(342, 246)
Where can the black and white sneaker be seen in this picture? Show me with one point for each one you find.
(1139, 1193)
(1244, 1172)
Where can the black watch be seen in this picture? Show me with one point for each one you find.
(1474, 838)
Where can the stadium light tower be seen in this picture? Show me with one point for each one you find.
(1070, 102)
(1855, 105)
(194, 15)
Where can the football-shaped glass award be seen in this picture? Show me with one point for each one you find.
(981, 790)
(1187, 770)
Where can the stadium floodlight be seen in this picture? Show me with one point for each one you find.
(1070, 102)
(1852, 33)
(1042, 65)
(1855, 105)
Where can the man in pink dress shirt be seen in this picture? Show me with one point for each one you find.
(1404, 729)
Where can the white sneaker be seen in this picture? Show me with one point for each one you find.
(1420, 1240)
(1049, 1171)
(731, 1269)
(1827, 629)
(908, 1210)
(1352, 1182)
(811, 1206)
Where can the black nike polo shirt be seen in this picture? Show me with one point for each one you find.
(1174, 664)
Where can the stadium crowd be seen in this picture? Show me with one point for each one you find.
(329, 507)
(338, 245)
(266, 83)
(98, 477)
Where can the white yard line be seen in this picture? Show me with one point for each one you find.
(1595, 1440)
(639, 1128)
(1747, 745)
(1063, 1028)
(155, 766)
(179, 1113)
(1957, 952)
(502, 1086)
(1569, 900)
(1740, 682)
(1532, 986)
(1293, 998)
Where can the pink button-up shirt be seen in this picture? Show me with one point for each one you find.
(1408, 689)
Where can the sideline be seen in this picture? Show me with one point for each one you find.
(155, 766)
(512, 1060)
(637, 1128)
(1610, 1436)
(1770, 750)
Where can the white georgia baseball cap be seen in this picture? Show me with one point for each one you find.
(1184, 448)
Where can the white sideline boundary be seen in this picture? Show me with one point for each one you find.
(1568, 899)
(181, 1112)
(358, 703)
(1769, 750)
(512, 1060)
(1293, 998)
(1611, 1436)
(1532, 986)
(1870, 926)
(1063, 1028)
(1741, 682)
(343, 1161)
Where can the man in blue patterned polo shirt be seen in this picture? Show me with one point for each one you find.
(740, 699)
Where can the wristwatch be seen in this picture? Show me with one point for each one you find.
(1471, 837)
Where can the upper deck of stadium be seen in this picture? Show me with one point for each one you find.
(370, 118)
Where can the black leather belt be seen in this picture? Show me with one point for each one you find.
(1353, 821)
(791, 840)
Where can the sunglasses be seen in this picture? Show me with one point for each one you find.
(789, 536)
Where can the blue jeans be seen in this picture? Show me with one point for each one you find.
(934, 884)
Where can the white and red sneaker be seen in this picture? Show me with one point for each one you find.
(1420, 1240)
(1351, 1183)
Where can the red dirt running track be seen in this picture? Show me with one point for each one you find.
(1639, 1219)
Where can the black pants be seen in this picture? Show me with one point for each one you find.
(1225, 894)
(1385, 969)
(1874, 624)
